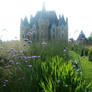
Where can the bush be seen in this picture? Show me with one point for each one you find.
(90, 56)
(86, 51)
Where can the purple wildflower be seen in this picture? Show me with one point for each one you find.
(44, 43)
(74, 66)
(24, 57)
(1, 48)
(64, 55)
(29, 33)
(15, 52)
(17, 63)
(26, 61)
(13, 56)
(29, 41)
(20, 57)
(83, 56)
(38, 56)
(8, 58)
(24, 44)
(6, 81)
(30, 66)
(26, 39)
(66, 86)
(33, 31)
(8, 51)
(11, 49)
(65, 50)
(29, 57)
(21, 52)
(11, 61)
(33, 57)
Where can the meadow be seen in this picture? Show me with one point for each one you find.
(51, 66)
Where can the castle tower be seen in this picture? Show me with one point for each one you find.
(43, 24)
(43, 7)
(46, 25)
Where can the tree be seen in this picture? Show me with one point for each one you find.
(90, 37)
(81, 36)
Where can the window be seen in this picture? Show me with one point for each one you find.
(34, 36)
(62, 35)
(53, 36)
(53, 30)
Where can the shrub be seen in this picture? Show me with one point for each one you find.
(86, 51)
(90, 56)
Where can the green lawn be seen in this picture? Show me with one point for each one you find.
(86, 65)
(87, 69)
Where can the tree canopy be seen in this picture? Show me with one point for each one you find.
(90, 37)
(81, 36)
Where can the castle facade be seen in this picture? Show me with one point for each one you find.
(46, 26)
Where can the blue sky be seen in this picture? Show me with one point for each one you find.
(78, 13)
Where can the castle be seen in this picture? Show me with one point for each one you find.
(46, 26)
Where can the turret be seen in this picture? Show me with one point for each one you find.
(43, 7)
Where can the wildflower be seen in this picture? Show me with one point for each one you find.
(15, 52)
(24, 44)
(26, 61)
(8, 51)
(11, 61)
(11, 49)
(66, 86)
(74, 66)
(26, 39)
(44, 43)
(33, 57)
(33, 31)
(20, 57)
(29, 33)
(65, 50)
(30, 66)
(29, 57)
(8, 58)
(13, 56)
(1, 48)
(83, 56)
(24, 57)
(29, 41)
(6, 81)
(17, 63)
(21, 52)
(64, 55)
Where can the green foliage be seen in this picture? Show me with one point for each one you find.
(90, 56)
(90, 37)
(82, 51)
(59, 76)
(49, 73)
(81, 36)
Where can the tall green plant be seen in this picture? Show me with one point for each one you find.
(59, 76)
